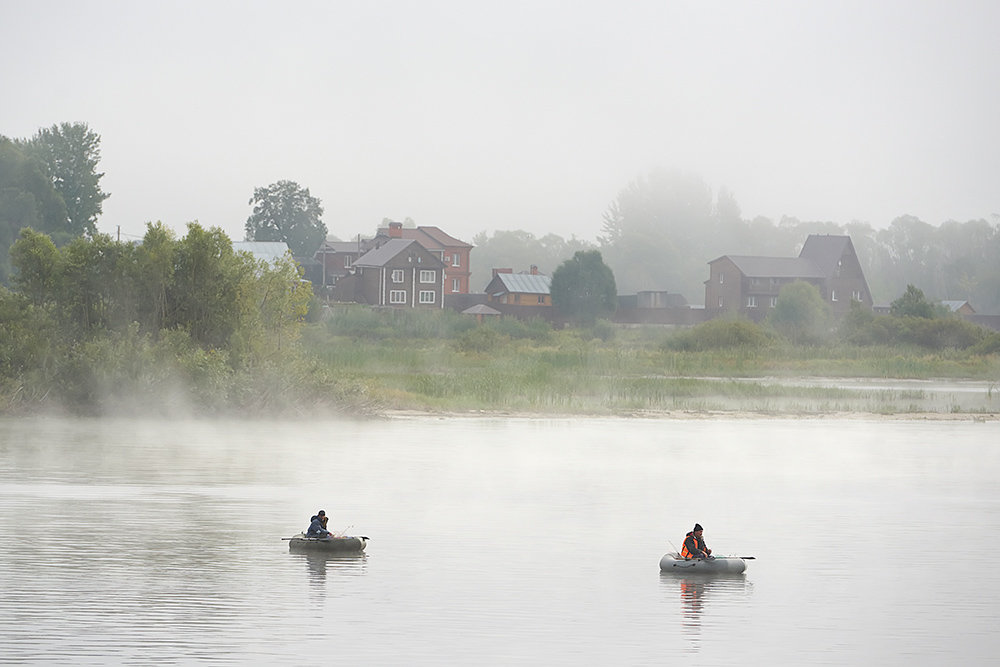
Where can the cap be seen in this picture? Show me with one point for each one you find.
(698, 527)
(321, 513)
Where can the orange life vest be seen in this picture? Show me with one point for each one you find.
(684, 547)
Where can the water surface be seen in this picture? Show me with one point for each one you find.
(499, 541)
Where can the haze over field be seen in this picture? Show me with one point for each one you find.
(486, 116)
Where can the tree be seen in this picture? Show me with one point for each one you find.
(800, 315)
(913, 303)
(583, 288)
(27, 199)
(285, 211)
(70, 153)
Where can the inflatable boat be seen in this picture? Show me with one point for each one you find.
(331, 544)
(673, 562)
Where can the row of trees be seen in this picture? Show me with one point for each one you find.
(661, 231)
(99, 318)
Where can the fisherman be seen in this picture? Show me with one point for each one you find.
(317, 525)
(694, 545)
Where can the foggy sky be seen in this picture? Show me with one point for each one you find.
(477, 116)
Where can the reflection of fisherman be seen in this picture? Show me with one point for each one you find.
(317, 525)
(694, 545)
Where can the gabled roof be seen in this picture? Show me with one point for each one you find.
(269, 251)
(954, 305)
(825, 251)
(776, 267)
(387, 251)
(339, 246)
(432, 238)
(524, 283)
(481, 309)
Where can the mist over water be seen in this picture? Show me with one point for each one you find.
(498, 541)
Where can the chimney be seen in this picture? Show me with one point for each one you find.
(496, 271)
(395, 230)
(534, 270)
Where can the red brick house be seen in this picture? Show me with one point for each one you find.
(749, 285)
(453, 253)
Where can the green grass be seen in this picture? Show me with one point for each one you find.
(492, 369)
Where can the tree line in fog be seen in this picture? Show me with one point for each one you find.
(659, 233)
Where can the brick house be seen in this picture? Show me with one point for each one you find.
(453, 253)
(400, 273)
(749, 285)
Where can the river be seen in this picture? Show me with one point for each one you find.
(499, 541)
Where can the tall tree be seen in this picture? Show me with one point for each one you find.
(71, 153)
(583, 288)
(285, 211)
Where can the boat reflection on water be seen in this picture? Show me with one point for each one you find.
(701, 592)
(319, 564)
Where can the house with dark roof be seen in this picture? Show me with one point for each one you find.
(337, 257)
(400, 273)
(453, 253)
(749, 285)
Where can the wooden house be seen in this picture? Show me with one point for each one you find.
(400, 273)
(749, 285)
(531, 290)
(453, 253)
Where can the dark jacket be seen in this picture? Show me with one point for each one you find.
(694, 546)
(316, 527)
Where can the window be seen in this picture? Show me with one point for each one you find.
(397, 277)
(751, 302)
(774, 301)
(541, 299)
(833, 295)
(347, 261)
(447, 258)
(456, 285)
(397, 296)
(456, 260)
(856, 295)
(427, 276)
(426, 296)
(720, 302)
(722, 277)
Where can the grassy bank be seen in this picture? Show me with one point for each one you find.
(450, 364)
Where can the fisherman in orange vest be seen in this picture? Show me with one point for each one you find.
(694, 545)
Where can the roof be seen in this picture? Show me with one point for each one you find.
(480, 309)
(381, 255)
(269, 251)
(954, 305)
(338, 246)
(825, 250)
(776, 267)
(432, 238)
(525, 283)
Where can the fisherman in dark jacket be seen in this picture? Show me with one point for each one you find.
(317, 525)
(694, 545)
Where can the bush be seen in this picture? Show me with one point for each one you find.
(719, 334)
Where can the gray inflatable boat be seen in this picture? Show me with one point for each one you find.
(673, 562)
(332, 544)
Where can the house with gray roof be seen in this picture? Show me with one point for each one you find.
(749, 285)
(532, 289)
(401, 273)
